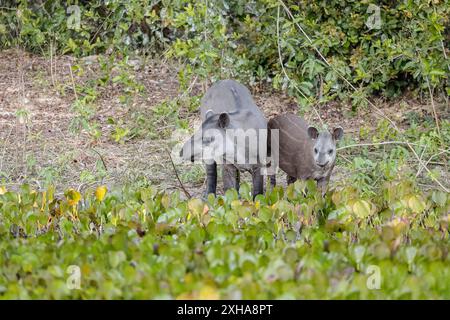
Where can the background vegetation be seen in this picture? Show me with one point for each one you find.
(247, 39)
(92, 91)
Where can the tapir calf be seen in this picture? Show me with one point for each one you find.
(304, 152)
(233, 133)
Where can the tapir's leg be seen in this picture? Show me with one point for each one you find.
(258, 182)
(290, 179)
(211, 178)
(229, 173)
(273, 180)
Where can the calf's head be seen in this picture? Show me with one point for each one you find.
(324, 145)
(210, 142)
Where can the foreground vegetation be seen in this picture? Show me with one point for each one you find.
(141, 243)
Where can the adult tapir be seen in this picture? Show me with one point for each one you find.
(233, 133)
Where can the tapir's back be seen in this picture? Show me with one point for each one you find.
(230, 96)
(292, 128)
(293, 144)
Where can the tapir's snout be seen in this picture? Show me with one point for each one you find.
(192, 158)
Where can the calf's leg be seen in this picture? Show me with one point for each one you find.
(230, 177)
(290, 179)
(323, 185)
(273, 180)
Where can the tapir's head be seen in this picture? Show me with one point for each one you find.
(324, 145)
(210, 142)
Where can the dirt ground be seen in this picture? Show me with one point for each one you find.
(36, 98)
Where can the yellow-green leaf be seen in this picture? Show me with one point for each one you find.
(100, 193)
(416, 204)
(361, 208)
(208, 293)
(73, 197)
(195, 206)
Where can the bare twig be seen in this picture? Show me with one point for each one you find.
(51, 64)
(345, 159)
(102, 25)
(421, 155)
(434, 108)
(178, 177)
(73, 82)
(101, 158)
(383, 143)
(431, 158)
(284, 70)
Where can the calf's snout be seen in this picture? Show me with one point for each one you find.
(323, 164)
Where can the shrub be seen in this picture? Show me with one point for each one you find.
(240, 39)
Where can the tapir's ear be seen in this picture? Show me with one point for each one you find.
(209, 113)
(338, 132)
(224, 120)
(313, 133)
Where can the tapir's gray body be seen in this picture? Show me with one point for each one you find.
(230, 96)
(302, 156)
(228, 105)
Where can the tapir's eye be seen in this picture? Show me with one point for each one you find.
(330, 151)
(208, 139)
(315, 150)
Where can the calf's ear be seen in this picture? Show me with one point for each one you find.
(313, 133)
(338, 132)
(224, 120)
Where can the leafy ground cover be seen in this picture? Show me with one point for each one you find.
(289, 243)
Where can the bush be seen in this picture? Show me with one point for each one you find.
(239, 39)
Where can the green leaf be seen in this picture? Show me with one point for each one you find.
(361, 208)
(416, 204)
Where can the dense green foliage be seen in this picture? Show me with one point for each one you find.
(240, 39)
(141, 243)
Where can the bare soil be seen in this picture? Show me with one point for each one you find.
(36, 111)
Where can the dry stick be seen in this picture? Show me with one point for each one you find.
(101, 158)
(434, 108)
(345, 158)
(431, 158)
(284, 70)
(368, 101)
(73, 82)
(445, 54)
(421, 156)
(386, 142)
(101, 26)
(51, 64)
(178, 177)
